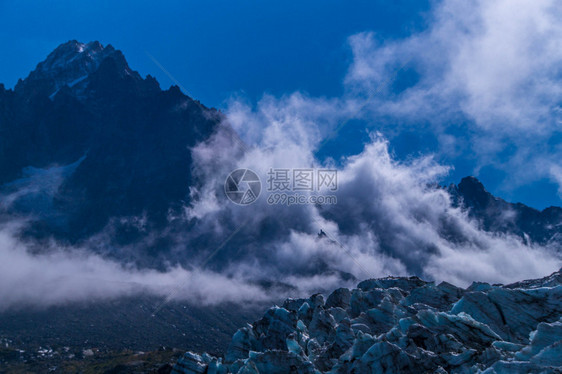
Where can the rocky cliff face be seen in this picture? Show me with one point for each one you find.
(402, 325)
(85, 139)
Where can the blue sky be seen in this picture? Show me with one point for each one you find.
(221, 49)
(215, 48)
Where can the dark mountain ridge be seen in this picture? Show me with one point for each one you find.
(87, 142)
(129, 138)
(497, 215)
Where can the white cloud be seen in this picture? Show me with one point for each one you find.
(389, 220)
(61, 275)
(489, 70)
(556, 173)
(389, 217)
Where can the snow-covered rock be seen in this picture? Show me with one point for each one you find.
(403, 325)
(69, 66)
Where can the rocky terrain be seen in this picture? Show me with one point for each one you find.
(402, 325)
(499, 216)
(114, 336)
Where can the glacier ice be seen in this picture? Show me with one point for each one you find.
(402, 325)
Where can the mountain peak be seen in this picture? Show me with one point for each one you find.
(473, 184)
(473, 193)
(68, 65)
(73, 52)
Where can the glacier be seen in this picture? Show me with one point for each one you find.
(402, 325)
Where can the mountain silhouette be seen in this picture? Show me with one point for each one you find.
(126, 140)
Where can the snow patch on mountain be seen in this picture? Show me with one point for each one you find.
(69, 65)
